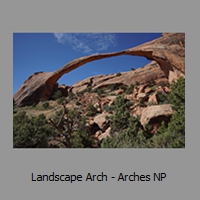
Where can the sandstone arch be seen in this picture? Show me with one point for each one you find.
(168, 51)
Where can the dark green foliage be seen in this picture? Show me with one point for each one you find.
(108, 109)
(124, 87)
(78, 103)
(113, 87)
(57, 95)
(74, 128)
(129, 90)
(173, 135)
(42, 99)
(162, 98)
(91, 110)
(141, 103)
(71, 95)
(129, 104)
(34, 105)
(137, 83)
(61, 100)
(30, 132)
(45, 105)
(132, 137)
(118, 74)
(177, 95)
(100, 91)
(81, 136)
(119, 120)
(88, 89)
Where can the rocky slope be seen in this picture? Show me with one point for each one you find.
(167, 52)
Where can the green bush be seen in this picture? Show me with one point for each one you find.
(118, 121)
(177, 95)
(132, 137)
(129, 90)
(162, 98)
(31, 132)
(81, 136)
(74, 128)
(88, 89)
(56, 95)
(113, 87)
(118, 74)
(61, 100)
(108, 109)
(173, 134)
(71, 95)
(100, 91)
(78, 103)
(137, 83)
(45, 105)
(141, 103)
(91, 110)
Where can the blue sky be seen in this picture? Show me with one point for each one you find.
(33, 52)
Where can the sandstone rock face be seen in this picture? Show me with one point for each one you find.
(168, 51)
(151, 73)
(154, 115)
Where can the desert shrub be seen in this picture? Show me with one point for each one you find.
(141, 103)
(81, 136)
(173, 134)
(88, 89)
(177, 95)
(118, 121)
(129, 90)
(56, 95)
(113, 87)
(74, 128)
(99, 91)
(71, 95)
(137, 83)
(108, 108)
(129, 104)
(34, 105)
(61, 100)
(118, 74)
(124, 87)
(132, 137)
(78, 103)
(91, 110)
(163, 99)
(31, 132)
(45, 105)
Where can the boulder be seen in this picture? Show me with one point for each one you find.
(141, 96)
(101, 121)
(155, 114)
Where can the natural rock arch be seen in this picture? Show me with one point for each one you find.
(168, 51)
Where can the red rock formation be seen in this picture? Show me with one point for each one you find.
(168, 51)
